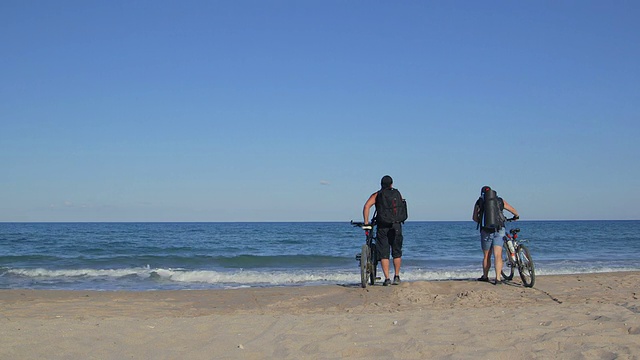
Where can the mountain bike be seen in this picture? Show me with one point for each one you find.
(368, 257)
(516, 255)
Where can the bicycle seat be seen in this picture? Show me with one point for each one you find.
(514, 231)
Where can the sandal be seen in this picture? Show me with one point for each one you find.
(483, 278)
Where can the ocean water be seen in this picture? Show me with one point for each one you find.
(170, 256)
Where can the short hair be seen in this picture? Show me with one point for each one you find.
(386, 181)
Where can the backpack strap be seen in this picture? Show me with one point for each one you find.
(480, 205)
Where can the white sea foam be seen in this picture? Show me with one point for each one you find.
(116, 273)
(275, 277)
(291, 277)
(247, 278)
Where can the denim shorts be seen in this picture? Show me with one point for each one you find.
(488, 239)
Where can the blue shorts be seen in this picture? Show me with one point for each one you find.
(490, 239)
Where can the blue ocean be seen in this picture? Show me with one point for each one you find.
(182, 256)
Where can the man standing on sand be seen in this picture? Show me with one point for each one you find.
(390, 214)
(487, 213)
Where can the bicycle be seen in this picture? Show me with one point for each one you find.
(368, 257)
(516, 255)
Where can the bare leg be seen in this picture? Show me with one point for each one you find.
(497, 254)
(486, 263)
(396, 265)
(384, 263)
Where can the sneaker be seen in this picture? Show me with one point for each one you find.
(386, 282)
(396, 280)
(483, 278)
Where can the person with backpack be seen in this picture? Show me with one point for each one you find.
(390, 214)
(487, 213)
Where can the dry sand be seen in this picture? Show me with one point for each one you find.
(589, 316)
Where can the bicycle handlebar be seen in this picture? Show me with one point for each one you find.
(513, 218)
(362, 225)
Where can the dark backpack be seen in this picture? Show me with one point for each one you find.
(390, 207)
(490, 211)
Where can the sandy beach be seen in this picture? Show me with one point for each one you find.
(587, 316)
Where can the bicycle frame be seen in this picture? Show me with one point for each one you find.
(368, 257)
(519, 258)
(511, 236)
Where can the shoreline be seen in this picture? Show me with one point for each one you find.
(591, 315)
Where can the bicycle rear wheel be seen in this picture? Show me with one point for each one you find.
(526, 268)
(373, 262)
(507, 266)
(364, 260)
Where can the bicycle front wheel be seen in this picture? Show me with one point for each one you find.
(525, 266)
(507, 266)
(364, 260)
(373, 263)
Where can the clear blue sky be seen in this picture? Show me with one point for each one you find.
(294, 110)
